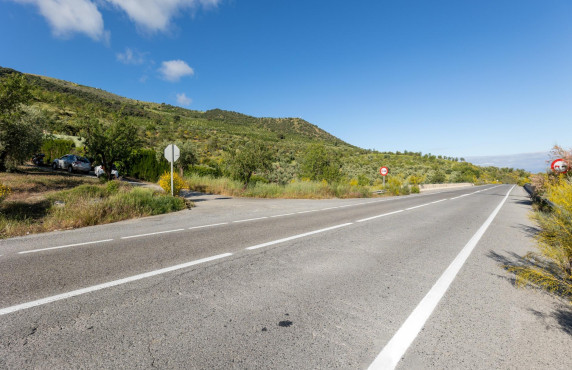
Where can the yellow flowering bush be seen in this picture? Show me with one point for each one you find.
(165, 183)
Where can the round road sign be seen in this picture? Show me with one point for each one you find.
(559, 166)
(384, 171)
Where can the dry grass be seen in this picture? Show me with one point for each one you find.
(42, 201)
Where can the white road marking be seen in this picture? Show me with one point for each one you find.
(149, 234)
(250, 219)
(110, 284)
(394, 350)
(314, 210)
(460, 196)
(286, 214)
(438, 201)
(211, 225)
(297, 236)
(378, 216)
(419, 206)
(65, 246)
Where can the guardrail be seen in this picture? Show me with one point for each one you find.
(536, 198)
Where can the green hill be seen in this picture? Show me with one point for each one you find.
(213, 133)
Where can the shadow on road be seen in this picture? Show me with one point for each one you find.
(512, 260)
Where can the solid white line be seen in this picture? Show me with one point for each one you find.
(286, 214)
(110, 284)
(201, 227)
(250, 219)
(391, 354)
(314, 210)
(460, 196)
(156, 233)
(422, 205)
(65, 246)
(297, 236)
(378, 216)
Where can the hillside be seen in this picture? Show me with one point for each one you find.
(213, 133)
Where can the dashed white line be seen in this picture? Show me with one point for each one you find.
(378, 216)
(65, 246)
(297, 236)
(439, 201)
(110, 284)
(251, 219)
(211, 225)
(149, 234)
(419, 206)
(394, 350)
(286, 214)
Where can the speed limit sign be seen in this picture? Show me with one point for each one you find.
(383, 171)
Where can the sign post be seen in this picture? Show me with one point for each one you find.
(383, 171)
(172, 153)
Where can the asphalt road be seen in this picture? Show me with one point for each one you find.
(411, 282)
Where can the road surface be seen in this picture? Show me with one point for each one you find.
(406, 282)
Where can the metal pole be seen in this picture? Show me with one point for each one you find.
(172, 161)
(384, 182)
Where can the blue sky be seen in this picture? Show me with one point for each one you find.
(452, 77)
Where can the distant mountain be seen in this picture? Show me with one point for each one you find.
(532, 162)
(66, 107)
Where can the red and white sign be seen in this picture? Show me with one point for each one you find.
(384, 171)
(559, 166)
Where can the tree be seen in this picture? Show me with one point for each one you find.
(318, 164)
(20, 126)
(252, 157)
(109, 143)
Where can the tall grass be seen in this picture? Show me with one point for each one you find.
(551, 268)
(292, 190)
(85, 205)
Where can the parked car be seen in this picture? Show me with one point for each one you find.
(66, 163)
(99, 171)
(38, 159)
(82, 164)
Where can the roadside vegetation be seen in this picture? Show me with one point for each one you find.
(131, 134)
(35, 201)
(551, 267)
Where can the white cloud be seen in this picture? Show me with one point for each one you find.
(184, 100)
(155, 15)
(173, 70)
(131, 56)
(72, 16)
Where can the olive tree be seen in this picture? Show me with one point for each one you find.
(109, 143)
(244, 162)
(20, 126)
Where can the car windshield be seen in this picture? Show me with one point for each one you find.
(82, 159)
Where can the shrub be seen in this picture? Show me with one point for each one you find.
(143, 164)
(204, 171)
(4, 192)
(165, 183)
(56, 148)
(551, 269)
(415, 189)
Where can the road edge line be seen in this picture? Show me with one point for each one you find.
(394, 350)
